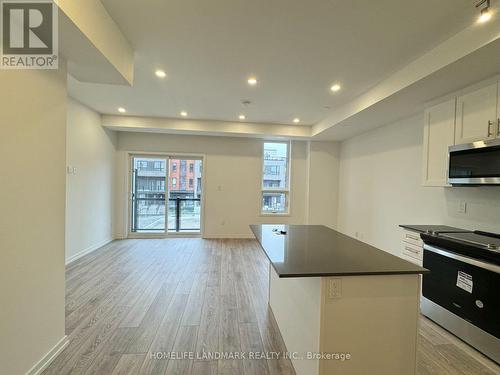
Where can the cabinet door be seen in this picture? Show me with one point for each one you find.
(439, 134)
(476, 115)
(498, 111)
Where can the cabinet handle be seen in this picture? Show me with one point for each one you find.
(490, 131)
(412, 237)
(412, 250)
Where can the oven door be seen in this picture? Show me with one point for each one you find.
(465, 286)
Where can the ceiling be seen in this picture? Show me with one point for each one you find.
(442, 84)
(209, 48)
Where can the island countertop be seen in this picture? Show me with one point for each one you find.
(316, 251)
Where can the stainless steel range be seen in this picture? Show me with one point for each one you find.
(462, 291)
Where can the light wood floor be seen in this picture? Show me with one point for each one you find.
(133, 298)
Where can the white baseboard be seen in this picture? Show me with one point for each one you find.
(88, 250)
(47, 359)
(224, 236)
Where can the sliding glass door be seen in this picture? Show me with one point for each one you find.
(166, 194)
(149, 176)
(184, 195)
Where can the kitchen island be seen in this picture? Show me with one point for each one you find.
(342, 306)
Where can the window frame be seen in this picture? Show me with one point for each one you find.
(286, 190)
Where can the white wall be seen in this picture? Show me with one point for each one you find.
(32, 191)
(323, 164)
(233, 179)
(380, 188)
(89, 193)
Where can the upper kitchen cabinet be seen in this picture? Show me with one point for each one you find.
(477, 115)
(439, 134)
(497, 128)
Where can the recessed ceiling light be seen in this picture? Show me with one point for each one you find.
(252, 81)
(486, 12)
(296, 120)
(242, 117)
(184, 113)
(336, 87)
(485, 16)
(160, 73)
(122, 110)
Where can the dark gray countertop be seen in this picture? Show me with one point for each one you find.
(315, 250)
(432, 228)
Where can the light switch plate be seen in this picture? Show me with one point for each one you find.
(462, 207)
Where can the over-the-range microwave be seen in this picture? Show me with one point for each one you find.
(475, 163)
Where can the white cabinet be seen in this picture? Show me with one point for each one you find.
(439, 134)
(474, 115)
(412, 248)
(477, 117)
(497, 129)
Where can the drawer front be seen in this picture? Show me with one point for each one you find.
(418, 262)
(412, 238)
(413, 251)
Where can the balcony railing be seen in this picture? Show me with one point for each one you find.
(187, 214)
(184, 215)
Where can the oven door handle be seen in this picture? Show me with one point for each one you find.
(461, 258)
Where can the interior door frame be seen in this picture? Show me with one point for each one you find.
(128, 193)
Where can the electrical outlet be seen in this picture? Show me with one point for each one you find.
(462, 208)
(334, 288)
